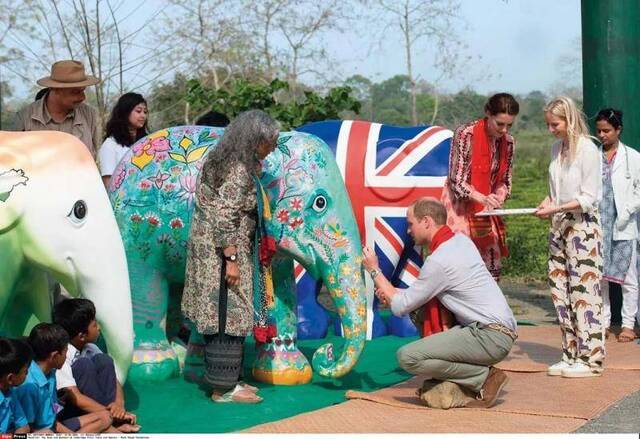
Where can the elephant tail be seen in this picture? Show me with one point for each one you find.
(325, 363)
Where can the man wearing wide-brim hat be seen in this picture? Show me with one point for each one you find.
(62, 108)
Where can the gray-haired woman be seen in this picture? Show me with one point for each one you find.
(218, 290)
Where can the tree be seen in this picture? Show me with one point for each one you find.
(302, 24)
(12, 17)
(243, 95)
(211, 37)
(391, 99)
(361, 90)
(264, 19)
(420, 21)
(569, 66)
(106, 35)
(531, 116)
(461, 107)
(290, 35)
(167, 104)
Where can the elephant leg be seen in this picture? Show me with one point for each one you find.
(402, 327)
(153, 358)
(176, 326)
(280, 361)
(313, 320)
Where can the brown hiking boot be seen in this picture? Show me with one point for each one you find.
(495, 382)
(444, 394)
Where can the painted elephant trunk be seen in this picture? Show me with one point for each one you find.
(102, 277)
(113, 311)
(350, 301)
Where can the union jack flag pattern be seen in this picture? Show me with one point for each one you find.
(385, 168)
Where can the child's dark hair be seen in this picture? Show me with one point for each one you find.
(14, 355)
(74, 315)
(46, 338)
(612, 116)
(213, 119)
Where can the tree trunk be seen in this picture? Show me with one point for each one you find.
(436, 98)
(412, 82)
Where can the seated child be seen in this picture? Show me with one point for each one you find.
(88, 376)
(15, 356)
(37, 395)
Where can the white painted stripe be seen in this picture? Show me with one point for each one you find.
(302, 273)
(420, 152)
(372, 152)
(387, 249)
(390, 230)
(405, 144)
(407, 278)
(342, 146)
(369, 226)
(407, 181)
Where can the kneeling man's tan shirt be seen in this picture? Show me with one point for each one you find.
(82, 122)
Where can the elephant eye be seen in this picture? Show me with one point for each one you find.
(319, 204)
(78, 212)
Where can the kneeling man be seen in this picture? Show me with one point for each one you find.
(455, 273)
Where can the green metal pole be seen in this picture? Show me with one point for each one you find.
(611, 61)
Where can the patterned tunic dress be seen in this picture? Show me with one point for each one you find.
(616, 254)
(458, 188)
(223, 217)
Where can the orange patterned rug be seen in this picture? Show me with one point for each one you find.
(531, 403)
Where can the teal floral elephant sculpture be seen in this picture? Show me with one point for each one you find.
(152, 192)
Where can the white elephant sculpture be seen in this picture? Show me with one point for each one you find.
(55, 217)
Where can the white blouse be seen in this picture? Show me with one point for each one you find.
(109, 155)
(579, 180)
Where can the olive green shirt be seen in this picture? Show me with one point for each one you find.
(81, 122)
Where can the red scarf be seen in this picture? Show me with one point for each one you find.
(432, 323)
(480, 229)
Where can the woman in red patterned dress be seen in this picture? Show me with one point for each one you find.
(480, 168)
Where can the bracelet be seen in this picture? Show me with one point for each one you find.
(373, 273)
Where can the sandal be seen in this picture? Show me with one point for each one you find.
(238, 394)
(248, 387)
(608, 333)
(626, 335)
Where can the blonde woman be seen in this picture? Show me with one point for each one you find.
(575, 240)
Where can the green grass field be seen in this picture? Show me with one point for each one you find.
(527, 235)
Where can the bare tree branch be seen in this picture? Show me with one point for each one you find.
(419, 21)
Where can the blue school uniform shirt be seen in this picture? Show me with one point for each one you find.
(11, 415)
(37, 396)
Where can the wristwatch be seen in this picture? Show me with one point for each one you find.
(231, 258)
(373, 273)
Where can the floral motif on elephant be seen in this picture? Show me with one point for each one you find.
(165, 167)
(153, 194)
(145, 152)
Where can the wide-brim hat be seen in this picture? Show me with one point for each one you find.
(68, 74)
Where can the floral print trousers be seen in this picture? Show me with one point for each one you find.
(575, 271)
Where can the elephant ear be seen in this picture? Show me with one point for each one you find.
(14, 181)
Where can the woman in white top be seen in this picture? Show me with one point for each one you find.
(575, 240)
(618, 209)
(127, 124)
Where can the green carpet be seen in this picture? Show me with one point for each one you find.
(176, 406)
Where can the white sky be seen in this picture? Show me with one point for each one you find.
(519, 41)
